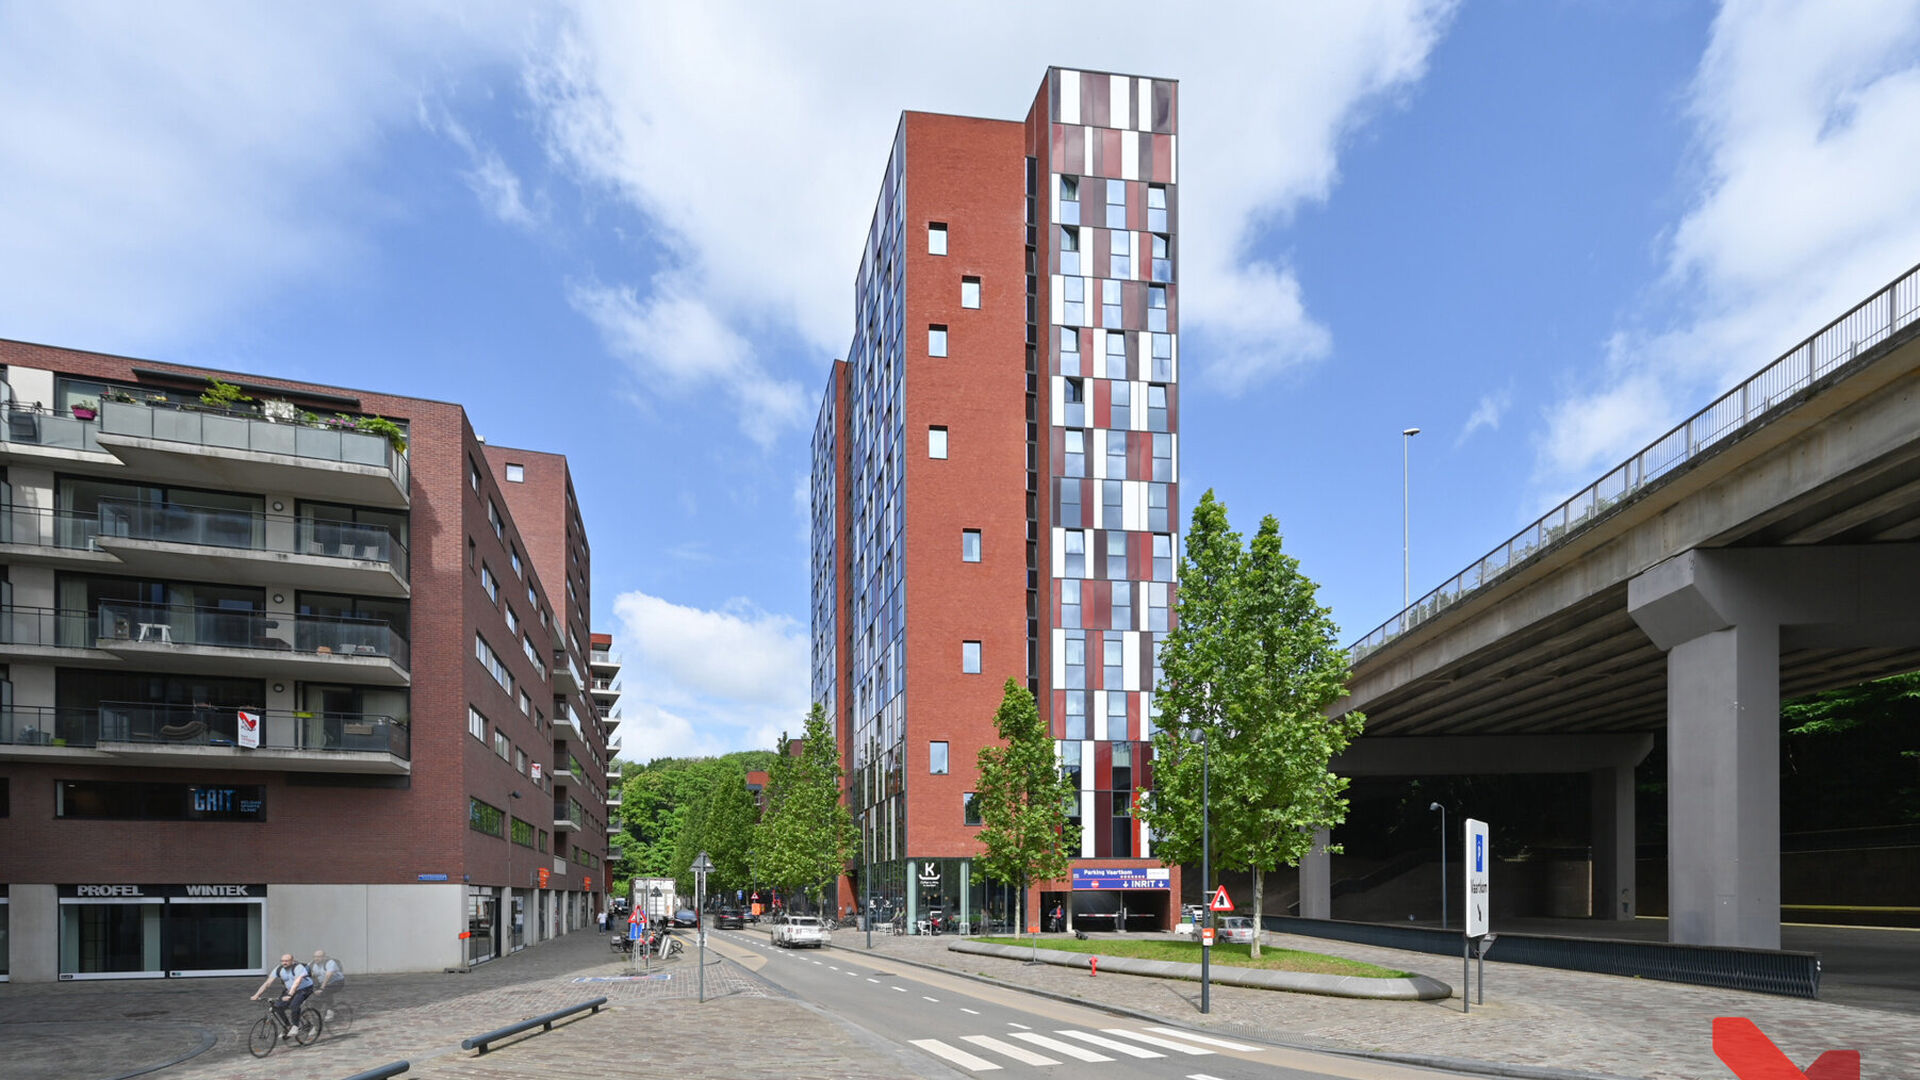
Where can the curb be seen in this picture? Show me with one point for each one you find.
(1414, 988)
(1428, 1061)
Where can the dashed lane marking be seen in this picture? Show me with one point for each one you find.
(964, 1009)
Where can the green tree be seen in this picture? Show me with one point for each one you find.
(1021, 798)
(727, 821)
(1252, 666)
(807, 836)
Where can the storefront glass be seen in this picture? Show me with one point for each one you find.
(483, 915)
(161, 931)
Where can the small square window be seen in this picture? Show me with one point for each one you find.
(969, 292)
(937, 758)
(936, 341)
(970, 545)
(516, 474)
(937, 238)
(970, 657)
(937, 442)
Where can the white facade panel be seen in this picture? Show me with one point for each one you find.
(1133, 512)
(1119, 100)
(1143, 110)
(1059, 303)
(1086, 151)
(1131, 640)
(1057, 393)
(1059, 646)
(1069, 97)
(1086, 807)
(1059, 572)
(1129, 155)
(1098, 707)
(1173, 159)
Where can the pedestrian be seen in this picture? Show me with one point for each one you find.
(603, 921)
(1059, 918)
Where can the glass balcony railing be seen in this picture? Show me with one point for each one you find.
(43, 527)
(248, 431)
(241, 629)
(245, 530)
(201, 725)
(70, 628)
(38, 427)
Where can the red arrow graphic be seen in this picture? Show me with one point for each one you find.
(1741, 1046)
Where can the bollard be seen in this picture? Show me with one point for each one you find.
(1093, 967)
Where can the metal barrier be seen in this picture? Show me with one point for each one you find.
(1789, 974)
(1827, 354)
(392, 1068)
(544, 1023)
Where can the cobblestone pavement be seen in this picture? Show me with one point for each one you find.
(1533, 1016)
(78, 1031)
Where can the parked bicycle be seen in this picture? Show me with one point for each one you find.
(270, 1029)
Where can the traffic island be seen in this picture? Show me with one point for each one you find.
(1387, 986)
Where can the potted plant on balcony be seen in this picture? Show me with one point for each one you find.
(380, 425)
(223, 395)
(85, 409)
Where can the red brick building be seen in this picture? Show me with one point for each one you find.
(994, 489)
(278, 677)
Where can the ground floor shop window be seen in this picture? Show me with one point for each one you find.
(161, 931)
(5, 944)
(483, 919)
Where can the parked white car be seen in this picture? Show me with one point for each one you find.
(1237, 929)
(794, 931)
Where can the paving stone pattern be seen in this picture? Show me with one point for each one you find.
(1569, 1020)
(649, 1028)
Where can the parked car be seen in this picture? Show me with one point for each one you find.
(686, 917)
(729, 919)
(1237, 929)
(1191, 918)
(794, 931)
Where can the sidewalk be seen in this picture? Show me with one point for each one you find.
(1568, 1020)
(655, 1027)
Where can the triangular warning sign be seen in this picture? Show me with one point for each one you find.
(1221, 901)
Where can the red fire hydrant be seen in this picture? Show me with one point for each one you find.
(1093, 966)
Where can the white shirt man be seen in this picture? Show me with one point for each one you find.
(298, 982)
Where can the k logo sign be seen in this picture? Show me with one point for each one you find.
(1740, 1045)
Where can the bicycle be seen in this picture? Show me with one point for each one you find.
(336, 1015)
(270, 1029)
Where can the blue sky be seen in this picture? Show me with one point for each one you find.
(1541, 231)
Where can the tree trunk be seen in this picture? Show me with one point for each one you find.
(1259, 897)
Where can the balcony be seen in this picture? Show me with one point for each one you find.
(40, 536)
(566, 724)
(190, 736)
(204, 543)
(30, 434)
(615, 828)
(57, 635)
(604, 662)
(239, 451)
(609, 722)
(613, 798)
(613, 773)
(567, 816)
(605, 691)
(241, 642)
(567, 677)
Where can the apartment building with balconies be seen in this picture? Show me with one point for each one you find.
(603, 676)
(277, 672)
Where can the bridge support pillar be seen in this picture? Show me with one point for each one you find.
(1613, 843)
(1316, 880)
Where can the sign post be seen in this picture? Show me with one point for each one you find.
(701, 867)
(1478, 899)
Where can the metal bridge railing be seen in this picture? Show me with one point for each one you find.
(1836, 345)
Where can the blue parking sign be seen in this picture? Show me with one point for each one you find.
(634, 930)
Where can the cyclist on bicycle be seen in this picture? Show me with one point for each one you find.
(330, 982)
(299, 984)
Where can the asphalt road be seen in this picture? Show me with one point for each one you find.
(947, 1025)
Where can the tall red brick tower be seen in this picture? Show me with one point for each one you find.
(994, 489)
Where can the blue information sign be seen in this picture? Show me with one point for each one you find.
(1124, 877)
(433, 877)
(634, 930)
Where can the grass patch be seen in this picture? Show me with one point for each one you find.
(1224, 955)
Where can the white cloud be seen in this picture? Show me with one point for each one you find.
(1805, 126)
(754, 138)
(701, 682)
(1486, 414)
(672, 339)
(489, 177)
(168, 165)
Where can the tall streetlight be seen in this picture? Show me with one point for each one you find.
(1406, 521)
(1206, 902)
(1443, 863)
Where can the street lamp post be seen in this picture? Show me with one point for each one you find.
(1206, 869)
(1443, 863)
(1406, 522)
(702, 866)
(511, 930)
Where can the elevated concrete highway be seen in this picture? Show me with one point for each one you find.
(1767, 546)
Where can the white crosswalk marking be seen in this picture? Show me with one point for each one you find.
(1059, 1047)
(1155, 1040)
(1019, 1054)
(1201, 1076)
(954, 1054)
(1207, 1040)
(1110, 1044)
